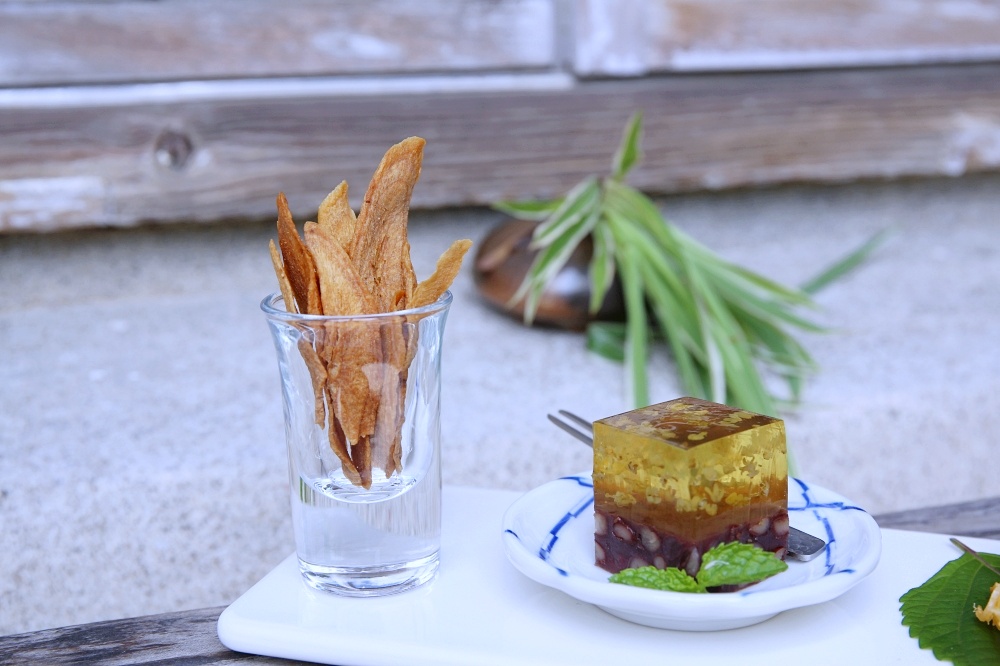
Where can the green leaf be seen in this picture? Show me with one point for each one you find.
(579, 203)
(636, 326)
(731, 563)
(628, 151)
(670, 579)
(737, 563)
(939, 613)
(750, 295)
(780, 353)
(737, 379)
(529, 210)
(673, 314)
(601, 271)
(845, 265)
(718, 265)
(640, 209)
(550, 260)
(607, 339)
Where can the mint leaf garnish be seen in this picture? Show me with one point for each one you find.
(671, 578)
(940, 616)
(737, 564)
(726, 564)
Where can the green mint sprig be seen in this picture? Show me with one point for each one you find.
(726, 564)
(726, 327)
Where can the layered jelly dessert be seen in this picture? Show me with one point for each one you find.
(674, 479)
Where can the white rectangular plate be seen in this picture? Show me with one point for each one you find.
(480, 610)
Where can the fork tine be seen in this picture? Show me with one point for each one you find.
(582, 422)
(589, 441)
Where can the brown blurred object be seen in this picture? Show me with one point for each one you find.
(503, 260)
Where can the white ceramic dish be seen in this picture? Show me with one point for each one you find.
(548, 535)
(481, 610)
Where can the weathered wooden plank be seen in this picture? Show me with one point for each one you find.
(206, 159)
(644, 36)
(979, 518)
(186, 637)
(85, 42)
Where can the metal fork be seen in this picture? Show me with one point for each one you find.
(801, 546)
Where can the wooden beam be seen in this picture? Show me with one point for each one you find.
(204, 159)
(52, 43)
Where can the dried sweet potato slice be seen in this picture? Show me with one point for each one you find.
(448, 265)
(387, 376)
(337, 216)
(287, 295)
(389, 426)
(350, 265)
(361, 455)
(355, 399)
(338, 445)
(342, 293)
(318, 375)
(299, 264)
(380, 248)
(340, 287)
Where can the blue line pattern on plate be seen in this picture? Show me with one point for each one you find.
(546, 550)
(831, 537)
(584, 481)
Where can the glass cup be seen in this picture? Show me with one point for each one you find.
(361, 399)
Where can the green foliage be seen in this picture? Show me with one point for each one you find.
(939, 613)
(728, 328)
(726, 564)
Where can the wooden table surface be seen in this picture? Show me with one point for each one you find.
(189, 637)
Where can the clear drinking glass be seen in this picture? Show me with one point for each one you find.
(361, 399)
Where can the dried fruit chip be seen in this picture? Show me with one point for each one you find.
(398, 349)
(340, 287)
(381, 250)
(355, 399)
(349, 265)
(299, 264)
(286, 288)
(444, 274)
(317, 372)
(335, 214)
(339, 446)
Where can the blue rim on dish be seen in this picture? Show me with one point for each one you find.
(548, 536)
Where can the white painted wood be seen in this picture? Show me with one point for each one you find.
(636, 37)
(136, 40)
(611, 37)
(286, 88)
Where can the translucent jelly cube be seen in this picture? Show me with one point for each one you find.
(674, 479)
